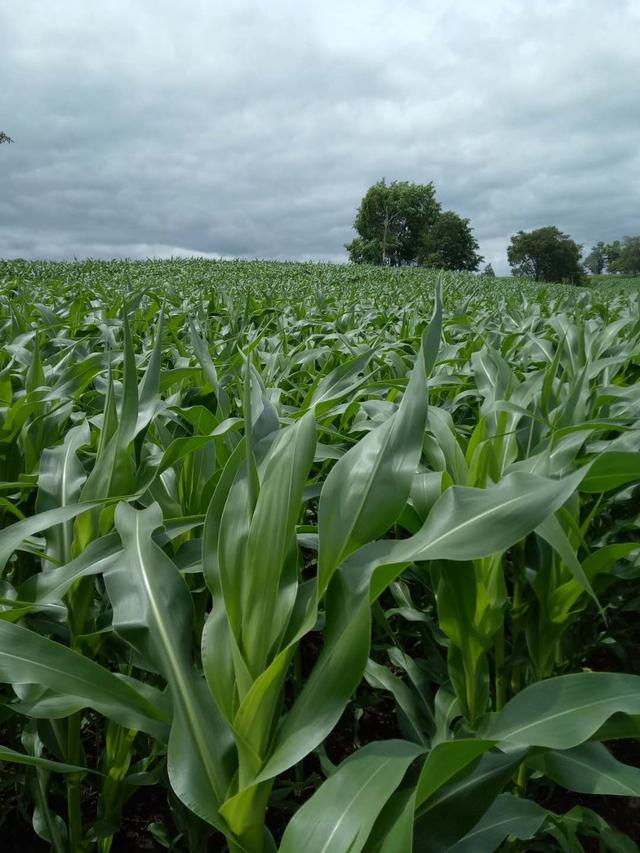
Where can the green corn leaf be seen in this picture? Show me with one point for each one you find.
(468, 797)
(59, 485)
(270, 537)
(202, 354)
(341, 381)
(10, 756)
(368, 487)
(28, 658)
(611, 470)
(563, 712)
(153, 610)
(393, 830)
(52, 586)
(382, 678)
(340, 815)
(13, 536)
(589, 769)
(552, 532)
(333, 679)
(508, 816)
(150, 385)
(445, 760)
(465, 524)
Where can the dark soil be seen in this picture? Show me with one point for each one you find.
(378, 721)
(148, 805)
(19, 837)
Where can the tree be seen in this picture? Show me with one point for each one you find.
(488, 272)
(545, 254)
(612, 252)
(4, 137)
(596, 260)
(402, 223)
(628, 258)
(449, 244)
(391, 222)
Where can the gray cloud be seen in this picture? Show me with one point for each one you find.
(253, 129)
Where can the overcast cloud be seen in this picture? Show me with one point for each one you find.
(150, 128)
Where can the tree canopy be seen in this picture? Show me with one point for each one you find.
(545, 254)
(403, 223)
(612, 252)
(596, 260)
(391, 222)
(627, 259)
(4, 137)
(619, 256)
(449, 244)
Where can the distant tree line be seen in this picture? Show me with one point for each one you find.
(621, 256)
(402, 223)
(547, 254)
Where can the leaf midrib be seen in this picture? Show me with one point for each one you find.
(184, 693)
(573, 709)
(346, 809)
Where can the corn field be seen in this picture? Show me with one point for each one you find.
(317, 558)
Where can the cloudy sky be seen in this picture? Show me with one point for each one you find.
(252, 129)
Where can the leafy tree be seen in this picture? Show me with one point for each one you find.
(628, 259)
(449, 244)
(4, 137)
(391, 222)
(596, 260)
(402, 223)
(545, 254)
(488, 272)
(613, 251)
(616, 257)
